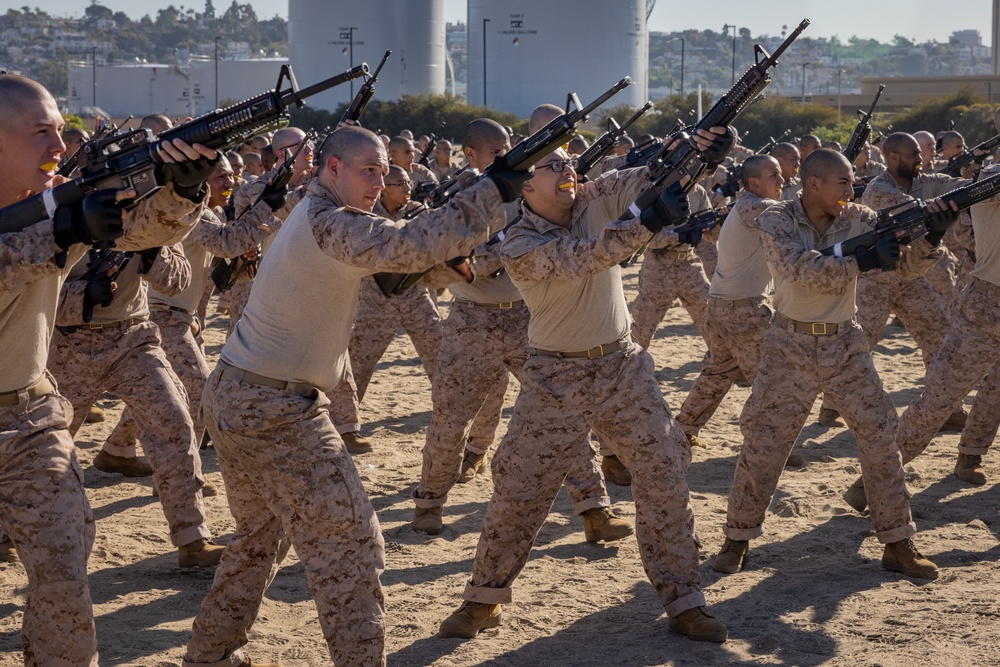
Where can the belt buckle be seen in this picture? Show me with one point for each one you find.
(818, 328)
(505, 304)
(600, 352)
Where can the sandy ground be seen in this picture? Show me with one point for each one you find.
(813, 592)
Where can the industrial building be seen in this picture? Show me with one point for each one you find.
(522, 53)
(327, 37)
(177, 91)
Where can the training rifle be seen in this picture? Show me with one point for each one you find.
(436, 195)
(225, 272)
(769, 146)
(521, 157)
(365, 93)
(674, 163)
(69, 166)
(103, 260)
(862, 131)
(907, 222)
(425, 155)
(603, 146)
(702, 221)
(967, 157)
(139, 166)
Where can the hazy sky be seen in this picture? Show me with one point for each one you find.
(916, 19)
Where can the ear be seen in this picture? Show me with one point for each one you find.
(333, 165)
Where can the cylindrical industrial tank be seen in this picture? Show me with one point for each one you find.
(122, 90)
(321, 42)
(537, 52)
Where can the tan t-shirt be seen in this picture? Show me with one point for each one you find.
(986, 223)
(570, 279)
(741, 271)
(30, 281)
(297, 322)
(810, 286)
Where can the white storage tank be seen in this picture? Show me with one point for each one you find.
(321, 44)
(537, 52)
(129, 89)
(238, 80)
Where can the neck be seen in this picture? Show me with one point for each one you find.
(553, 212)
(8, 197)
(820, 219)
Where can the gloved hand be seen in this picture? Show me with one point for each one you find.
(96, 218)
(99, 291)
(690, 236)
(669, 209)
(189, 176)
(938, 224)
(508, 182)
(885, 255)
(721, 146)
(276, 198)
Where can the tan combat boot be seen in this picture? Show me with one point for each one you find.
(969, 468)
(601, 524)
(428, 520)
(470, 619)
(855, 495)
(471, 465)
(355, 443)
(8, 554)
(95, 415)
(699, 625)
(731, 556)
(695, 441)
(903, 557)
(830, 418)
(955, 422)
(615, 471)
(200, 553)
(130, 467)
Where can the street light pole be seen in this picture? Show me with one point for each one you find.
(804, 66)
(682, 64)
(94, 75)
(725, 29)
(485, 21)
(217, 72)
(839, 72)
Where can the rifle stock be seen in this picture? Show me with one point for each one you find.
(862, 131)
(139, 166)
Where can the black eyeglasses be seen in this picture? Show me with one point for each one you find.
(558, 166)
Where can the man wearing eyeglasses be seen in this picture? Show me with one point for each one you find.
(401, 154)
(584, 373)
(486, 339)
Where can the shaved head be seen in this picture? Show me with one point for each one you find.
(16, 95)
(756, 165)
(346, 141)
(542, 116)
(896, 141)
(821, 162)
(158, 123)
(287, 137)
(483, 131)
(784, 149)
(399, 142)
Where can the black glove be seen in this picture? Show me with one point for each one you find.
(938, 223)
(148, 257)
(97, 292)
(508, 182)
(885, 255)
(716, 153)
(189, 176)
(690, 236)
(96, 218)
(276, 199)
(668, 210)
